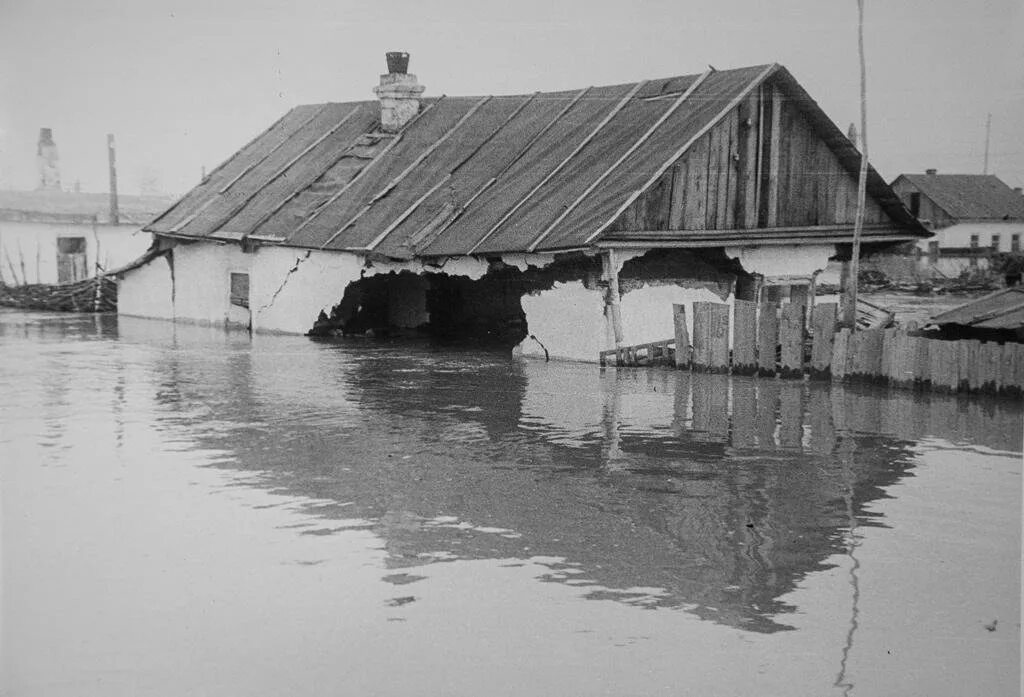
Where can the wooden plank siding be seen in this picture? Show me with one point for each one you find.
(715, 185)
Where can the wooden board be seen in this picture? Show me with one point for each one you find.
(696, 201)
(711, 337)
(823, 324)
(682, 336)
(767, 338)
(840, 350)
(744, 342)
(791, 338)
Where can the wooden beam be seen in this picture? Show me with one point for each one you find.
(633, 148)
(395, 139)
(405, 172)
(237, 208)
(575, 151)
(682, 149)
(611, 276)
(390, 228)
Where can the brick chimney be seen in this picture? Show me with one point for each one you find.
(931, 172)
(399, 93)
(1018, 190)
(47, 162)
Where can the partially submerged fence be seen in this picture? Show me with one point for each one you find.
(771, 340)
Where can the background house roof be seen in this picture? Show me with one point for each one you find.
(475, 175)
(1003, 309)
(970, 196)
(77, 207)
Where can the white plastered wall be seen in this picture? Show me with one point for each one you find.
(288, 287)
(30, 248)
(960, 235)
(570, 320)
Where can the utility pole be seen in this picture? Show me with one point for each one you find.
(988, 134)
(850, 310)
(112, 164)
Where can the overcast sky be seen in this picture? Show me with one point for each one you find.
(183, 84)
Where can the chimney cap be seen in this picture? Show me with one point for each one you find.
(931, 172)
(398, 62)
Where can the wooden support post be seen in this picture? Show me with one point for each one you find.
(682, 336)
(612, 310)
(744, 339)
(767, 338)
(791, 337)
(847, 297)
(823, 324)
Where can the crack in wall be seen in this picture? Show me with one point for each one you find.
(287, 276)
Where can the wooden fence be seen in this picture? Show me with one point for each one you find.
(770, 340)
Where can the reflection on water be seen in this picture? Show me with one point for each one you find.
(727, 499)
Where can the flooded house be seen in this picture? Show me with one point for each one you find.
(559, 223)
(51, 235)
(974, 216)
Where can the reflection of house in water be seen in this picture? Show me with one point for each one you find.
(709, 494)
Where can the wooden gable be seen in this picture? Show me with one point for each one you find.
(762, 166)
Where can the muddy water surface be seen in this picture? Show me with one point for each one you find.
(189, 512)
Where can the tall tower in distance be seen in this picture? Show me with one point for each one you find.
(47, 161)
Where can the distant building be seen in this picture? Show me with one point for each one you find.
(973, 216)
(568, 220)
(52, 236)
(47, 162)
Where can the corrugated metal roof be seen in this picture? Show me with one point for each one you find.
(478, 175)
(1003, 309)
(970, 196)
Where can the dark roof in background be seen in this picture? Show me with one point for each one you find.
(1003, 309)
(970, 196)
(81, 208)
(539, 172)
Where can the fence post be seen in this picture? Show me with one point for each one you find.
(840, 347)
(682, 336)
(744, 337)
(767, 338)
(791, 337)
(823, 322)
(711, 337)
(871, 349)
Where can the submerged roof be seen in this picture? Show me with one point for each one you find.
(77, 207)
(1003, 309)
(475, 175)
(970, 196)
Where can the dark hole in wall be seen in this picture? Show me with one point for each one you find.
(690, 268)
(451, 309)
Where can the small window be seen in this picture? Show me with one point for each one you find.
(240, 289)
(1015, 243)
(995, 242)
(974, 240)
(71, 245)
(915, 204)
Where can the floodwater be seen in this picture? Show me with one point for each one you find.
(190, 512)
